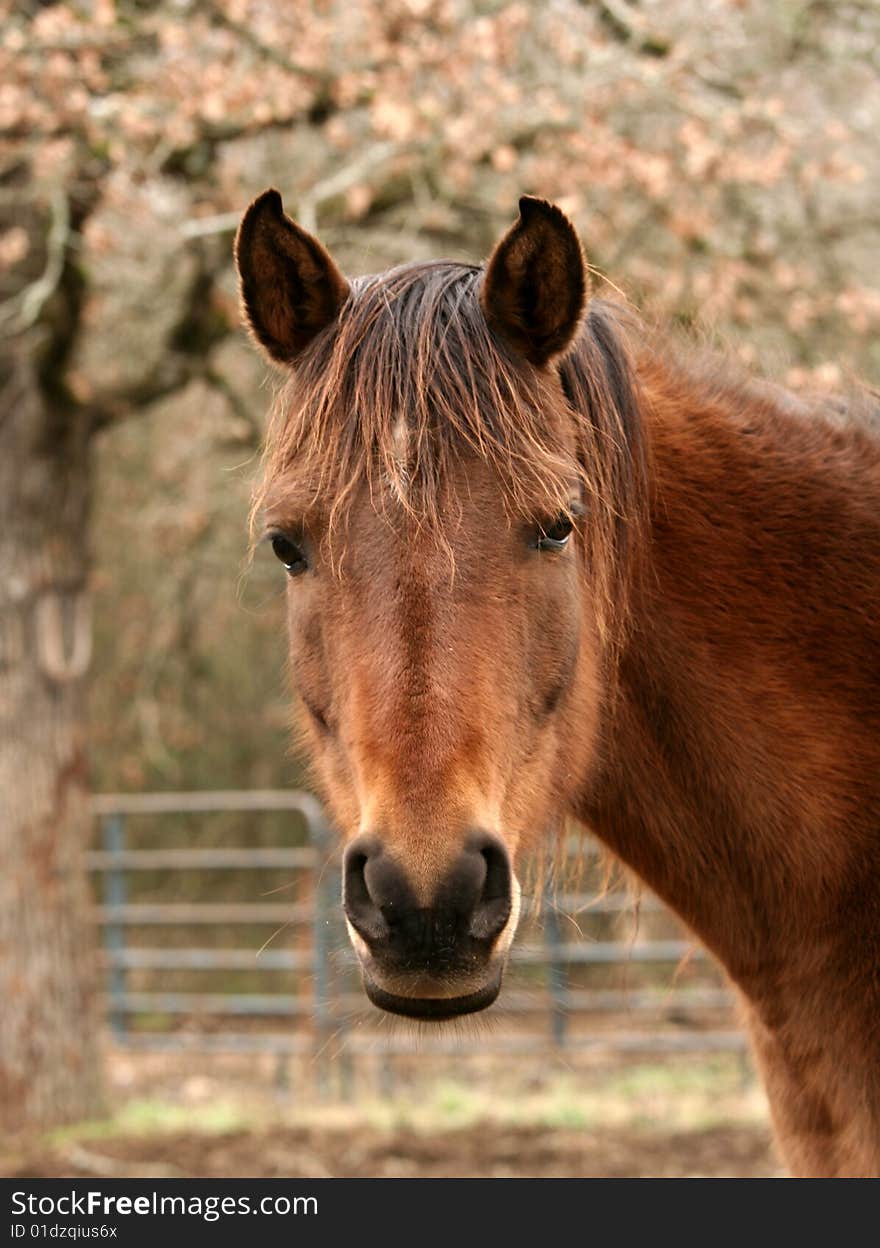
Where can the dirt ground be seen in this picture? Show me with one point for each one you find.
(483, 1150)
(234, 1118)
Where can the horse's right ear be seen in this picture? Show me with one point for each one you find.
(290, 286)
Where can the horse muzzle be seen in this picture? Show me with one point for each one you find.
(438, 961)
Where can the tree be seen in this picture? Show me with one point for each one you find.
(48, 1058)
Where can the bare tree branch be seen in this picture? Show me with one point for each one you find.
(630, 26)
(376, 155)
(24, 309)
(205, 227)
(236, 404)
(213, 11)
(174, 374)
(344, 179)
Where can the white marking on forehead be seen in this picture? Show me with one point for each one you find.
(400, 439)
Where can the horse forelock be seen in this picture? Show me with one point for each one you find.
(411, 380)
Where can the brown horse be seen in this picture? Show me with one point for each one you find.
(542, 564)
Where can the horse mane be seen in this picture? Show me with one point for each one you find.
(411, 378)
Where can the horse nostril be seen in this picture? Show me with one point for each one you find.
(493, 906)
(360, 909)
(376, 894)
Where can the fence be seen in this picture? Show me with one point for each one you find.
(597, 992)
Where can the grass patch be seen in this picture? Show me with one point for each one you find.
(666, 1096)
(148, 1116)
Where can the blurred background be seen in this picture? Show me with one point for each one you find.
(191, 1007)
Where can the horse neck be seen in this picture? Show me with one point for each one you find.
(739, 770)
(741, 752)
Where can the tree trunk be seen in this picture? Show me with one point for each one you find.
(49, 1023)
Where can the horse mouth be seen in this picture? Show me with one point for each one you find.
(433, 1009)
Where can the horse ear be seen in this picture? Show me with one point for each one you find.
(535, 286)
(290, 286)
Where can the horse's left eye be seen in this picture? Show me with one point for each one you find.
(553, 536)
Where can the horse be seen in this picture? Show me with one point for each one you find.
(546, 563)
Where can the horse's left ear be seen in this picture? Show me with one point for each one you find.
(291, 288)
(535, 286)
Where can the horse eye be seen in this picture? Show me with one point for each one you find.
(290, 554)
(554, 536)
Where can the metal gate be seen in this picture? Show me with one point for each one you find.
(578, 981)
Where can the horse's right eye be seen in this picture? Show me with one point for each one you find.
(289, 554)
